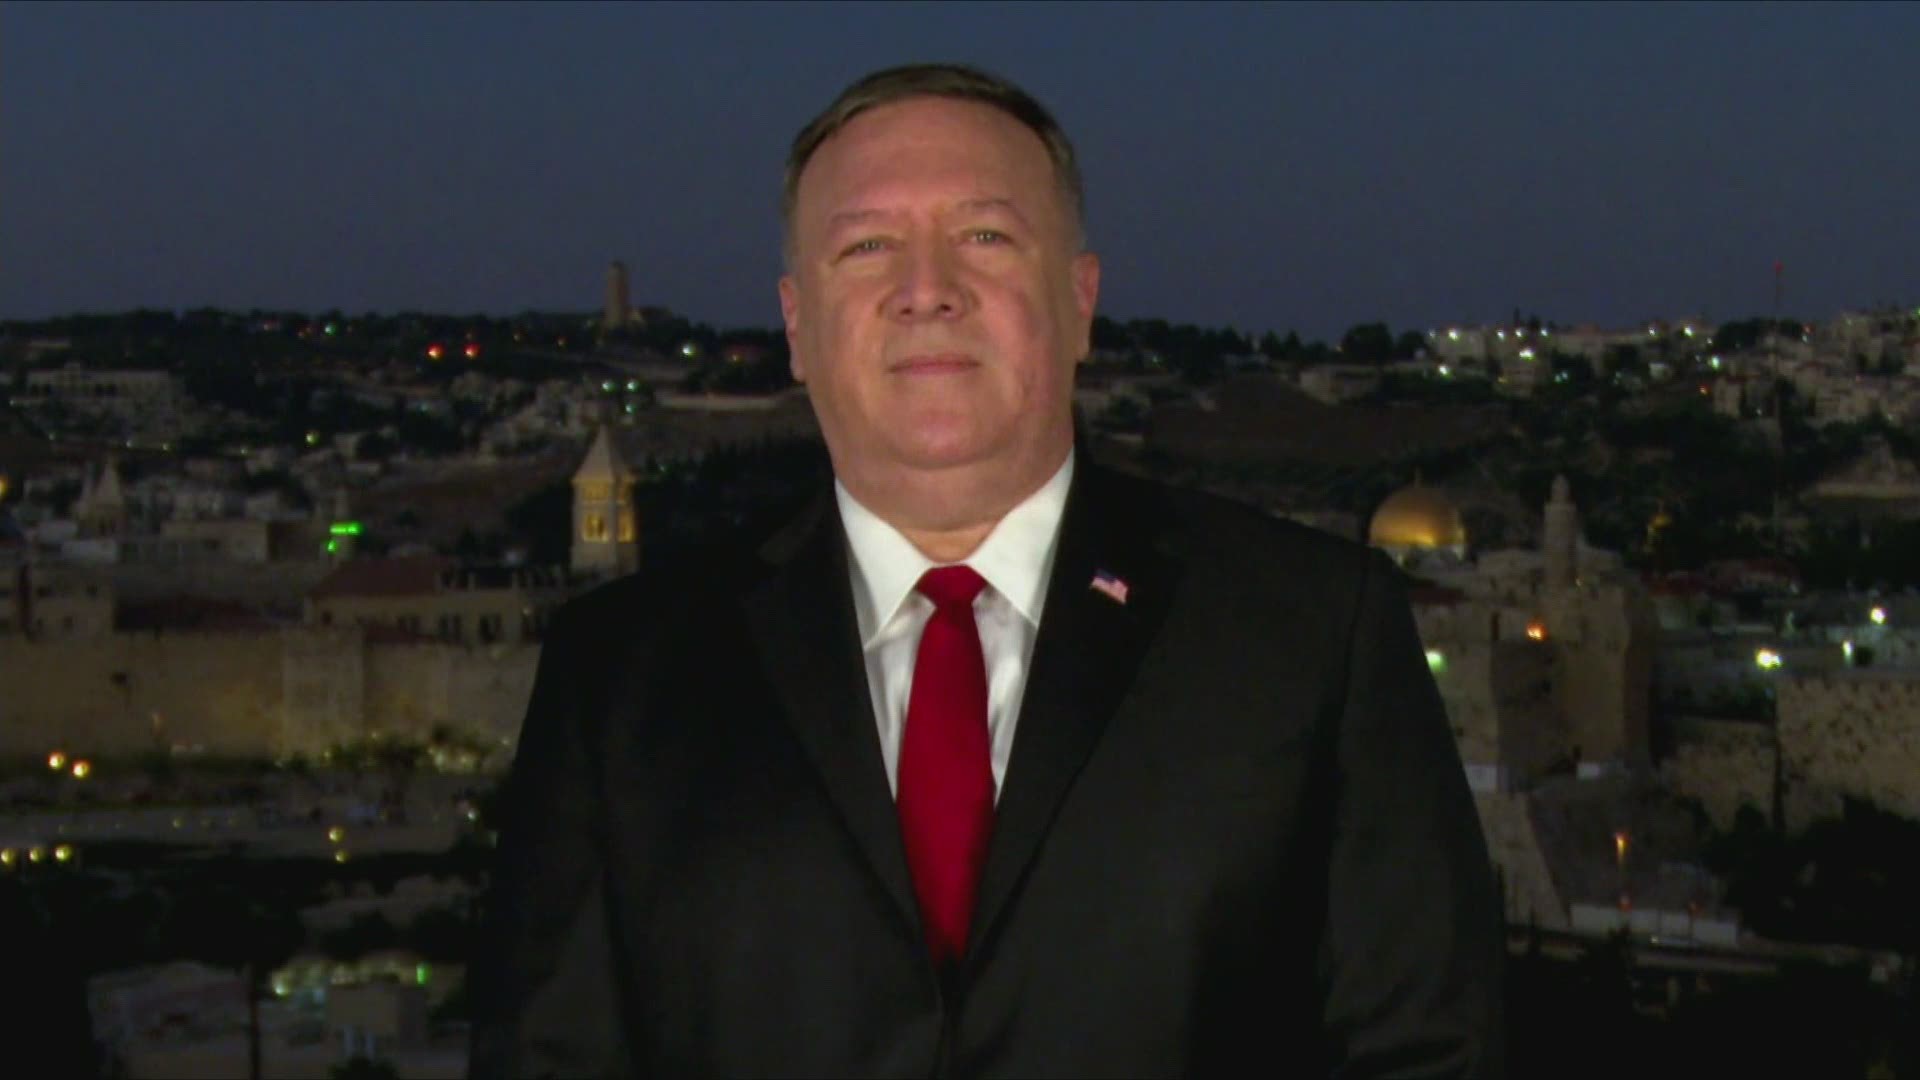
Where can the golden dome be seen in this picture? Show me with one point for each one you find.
(1417, 517)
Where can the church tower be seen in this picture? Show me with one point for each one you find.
(1562, 536)
(102, 506)
(606, 531)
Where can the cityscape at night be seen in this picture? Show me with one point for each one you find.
(284, 524)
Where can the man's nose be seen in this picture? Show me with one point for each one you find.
(929, 286)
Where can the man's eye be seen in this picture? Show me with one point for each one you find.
(988, 236)
(862, 247)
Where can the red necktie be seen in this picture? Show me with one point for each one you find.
(945, 781)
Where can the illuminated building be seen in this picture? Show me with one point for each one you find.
(606, 537)
(1416, 523)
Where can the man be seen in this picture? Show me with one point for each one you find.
(993, 763)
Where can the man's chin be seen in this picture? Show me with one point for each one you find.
(942, 455)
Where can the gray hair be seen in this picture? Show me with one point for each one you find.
(954, 81)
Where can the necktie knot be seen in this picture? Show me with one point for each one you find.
(951, 587)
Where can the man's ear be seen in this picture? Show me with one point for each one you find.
(1086, 293)
(790, 315)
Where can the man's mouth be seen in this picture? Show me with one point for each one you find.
(933, 364)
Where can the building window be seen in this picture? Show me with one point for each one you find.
(594, 527)
(450, 628)
(626, 526)
(489, 629)
(410, 623)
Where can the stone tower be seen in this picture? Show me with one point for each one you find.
(606, 531)
(617, 310)
(1562, 537)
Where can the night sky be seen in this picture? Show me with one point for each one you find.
(1287, 167)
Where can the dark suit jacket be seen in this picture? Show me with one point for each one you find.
(1234, 830)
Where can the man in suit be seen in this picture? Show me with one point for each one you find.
(993, 763)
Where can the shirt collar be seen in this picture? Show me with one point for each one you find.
(1016, 558)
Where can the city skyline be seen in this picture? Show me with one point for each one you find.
(1297, 168)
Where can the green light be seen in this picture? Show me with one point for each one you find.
(420, 974)
(333, 547)
(345, 528)
(1436, 661)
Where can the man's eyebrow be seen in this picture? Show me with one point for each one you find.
(994, 203)
(865, 215)
(855, 217)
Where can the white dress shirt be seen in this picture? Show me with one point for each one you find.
(1016, 559)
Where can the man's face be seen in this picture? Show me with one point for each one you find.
(936, 304)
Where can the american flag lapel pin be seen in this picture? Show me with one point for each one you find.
(1110, 586)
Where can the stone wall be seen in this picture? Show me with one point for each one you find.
(1531, 897)
(1724, 765)
(127, 693)
(409, 689)
(1853, 733)
(324, 670)
(264, 694)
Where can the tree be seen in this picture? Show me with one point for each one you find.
(1623, 360)
(1367, 343)
(245, 932)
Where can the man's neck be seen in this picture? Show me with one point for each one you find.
(952, 545)
(946, 515)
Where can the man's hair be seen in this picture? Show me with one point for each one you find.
(955, 81)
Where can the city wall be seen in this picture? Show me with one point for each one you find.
(128, 693)
(251, 694)
(1724, 765)
(411, 689)
(1853, 733)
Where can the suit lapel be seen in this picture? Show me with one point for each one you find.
(1085, 657)
(802, 620)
